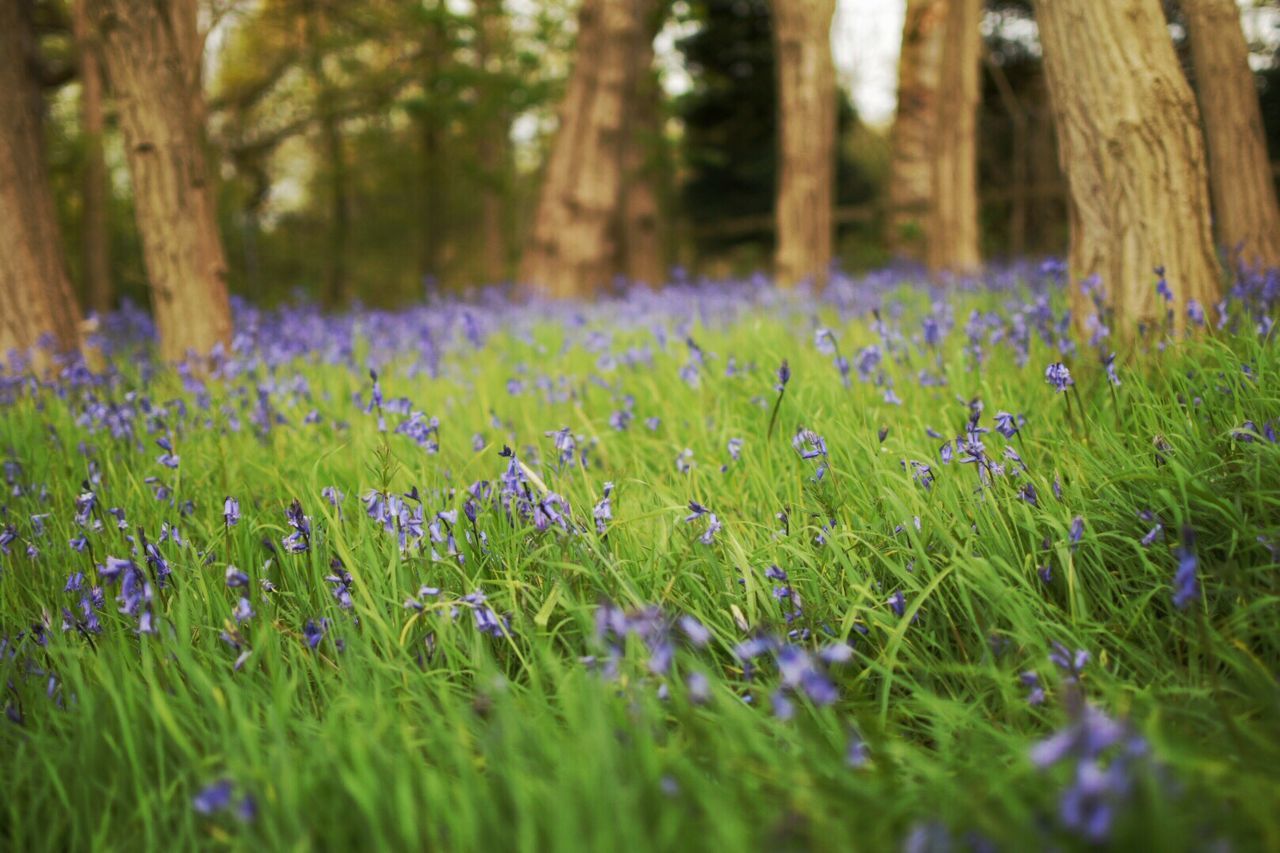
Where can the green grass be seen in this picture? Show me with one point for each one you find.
(421, 733)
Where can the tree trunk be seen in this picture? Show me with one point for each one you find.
(1244, 199)
(953, 229)
(152, 57)
(1130, 145)
(572, 245)
(494, 145)
(95, 245)
(807, 139)
(643, 258)
(337, 290)
(36, 298)
(912, 137)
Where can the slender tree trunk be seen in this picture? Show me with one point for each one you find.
(152, 58)
(1130, 144)
(1020, 165)
(36, 298)
(912, 138)
(337, 288)
(1244, 199)
(435, 155)
(953, 229)
(643, 251)
(494, 146)
(95, 245)
(572, 245)
(807, 139)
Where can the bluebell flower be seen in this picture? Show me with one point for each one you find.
(1110, 363)
(1186, 587)
(1058, 376)
(213, 798)
(603, 510)
(1077, 530)
(314, 630)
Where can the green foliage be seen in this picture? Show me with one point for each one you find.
(417, 732)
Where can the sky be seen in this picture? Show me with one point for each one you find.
(865, 39)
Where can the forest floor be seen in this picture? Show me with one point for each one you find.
(587, 577)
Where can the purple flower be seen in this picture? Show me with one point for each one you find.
(313, 632)
(1077, 530)
(898, 603)
(699, 688)
(1058, 376)
(1110, 363)
(169, 459)
(1071, 663)
(300, 539)
(694, 630)
(1006, 424)
(213, 798)
(236, 578)
(1186, 588)
(1035, 693)
(713, 523)
(243, 611)
(603, 511)
(784, 376)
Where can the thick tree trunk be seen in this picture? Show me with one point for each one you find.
(807, 139)
(152, 58)
(643, 252)
(494, 145)
(36, 298)
(912, 138)
(95, 244)
(953, 229)
(1244, 199)
(572, 248)
(1130, 144)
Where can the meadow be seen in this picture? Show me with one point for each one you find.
(714, 567)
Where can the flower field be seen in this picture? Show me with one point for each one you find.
(713, 567)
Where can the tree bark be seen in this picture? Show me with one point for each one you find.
(1244, 200)
(36, 298)
(912, 137)
(953, 230)
(643, 253)
(494, 145)
(1130, 144)
(807, 140)
(572, 245)
(337, 291)
(95, 244)
(152, 56)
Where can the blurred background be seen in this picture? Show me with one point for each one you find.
(380, 151)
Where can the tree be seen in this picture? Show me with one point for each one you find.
(642, 256)
(1244, 201)
(493, 148)
(572, 246)
(1130, 144)
(36, 298)
(337, 290)
(807, 139)
(95, 240)
(953, 223)
(912, 136)
(152, 53)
